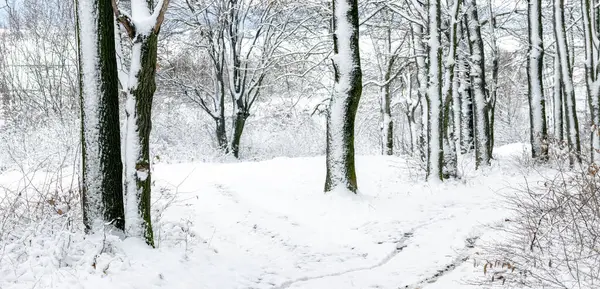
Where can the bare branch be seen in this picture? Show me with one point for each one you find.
(124, 19)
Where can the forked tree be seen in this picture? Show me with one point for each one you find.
(142, 27)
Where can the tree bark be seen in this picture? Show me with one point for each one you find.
(480, 104)
(341, 172)
(138, 109)
(435, 112)
(538, 133)
(570, 110)
(102, 191)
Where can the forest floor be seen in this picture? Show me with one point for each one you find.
(268, 224)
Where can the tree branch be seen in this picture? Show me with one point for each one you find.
(161, 15)
(124, 19)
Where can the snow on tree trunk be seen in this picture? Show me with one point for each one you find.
(480, 105)
(102, 191)
(493, 87)
(420, 51)
(570, 110)
(435, 152)
(558, 101)
(537, 107)
(143, 28)
(341, 173)
(448, 95)
(591, 70)
(387, 124)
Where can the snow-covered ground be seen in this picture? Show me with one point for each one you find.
(269, 225)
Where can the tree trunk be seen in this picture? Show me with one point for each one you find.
(570, 110)
(591, 71)
(537, 105)
(558, 101)
(480, 104)
(102, 191)
(238, 128)
(139, 123)
(341, 172)
(420, 51)
(435, 112)
(221, 134)
(387, 127)
(450, 153)
(466, 95)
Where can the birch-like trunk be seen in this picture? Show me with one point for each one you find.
(537, 106)
(341, 172)
(570, 110)
(102, 191)
(420, 51)
(451, 138)
(591, 71)
(480, 104)
(435, 115)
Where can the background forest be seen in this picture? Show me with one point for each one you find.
(191, 126)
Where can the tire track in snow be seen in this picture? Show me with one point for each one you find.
(459, 260)
(400, 245)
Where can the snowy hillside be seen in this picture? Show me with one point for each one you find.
(268, 225)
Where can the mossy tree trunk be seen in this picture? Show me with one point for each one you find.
(341, 172)
(140, 94)
(102, 190)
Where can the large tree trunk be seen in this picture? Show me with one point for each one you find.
(537, 105)
(341, 172)
(102, 191)
(142, 86)
(435, 115)
(138, 109)
(480, 105)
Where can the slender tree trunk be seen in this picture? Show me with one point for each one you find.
(558, 100)
(537, 105)
(466, 93)
(420, 51)
(387, 128)
(495, 68)
(435, 116)
(341, 172)
(448, 89)
(591, 71)
(102, 191)
(480, 104)
(570, 110)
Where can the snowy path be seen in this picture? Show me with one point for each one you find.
(398, 233)
(268, 225)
